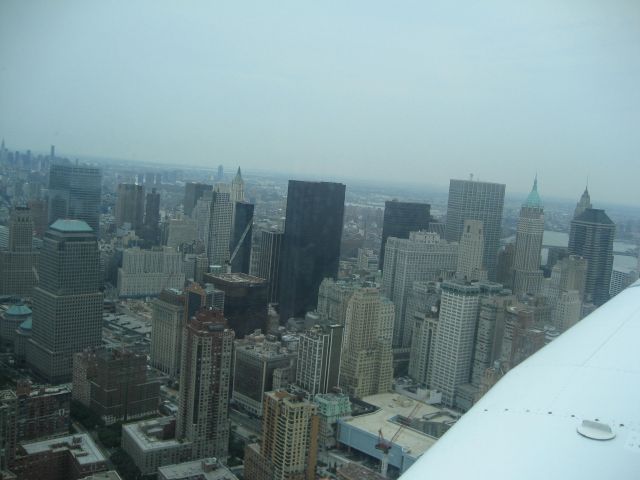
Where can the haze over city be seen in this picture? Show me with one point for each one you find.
(396, 92)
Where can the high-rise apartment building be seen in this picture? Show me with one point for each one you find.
(167, 320)
(75, 193)
(67, 307)
(472, 200)
(527, 276)
(401, 218)
(367, 358)
(422, 257)
(453, 349)
(591, 236)
(289, 446)
(205, 376)
(192, 193)
(256, 364)
(130, 206)
(270, 246)
(19, 262)
(241, 237)
(471, 252)
(311, 243)
(319, 355)
(219, 232)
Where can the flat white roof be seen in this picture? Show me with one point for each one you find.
(187, 470)
(391, 405)
(80, 445)
(148, 442)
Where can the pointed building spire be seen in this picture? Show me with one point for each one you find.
(533, 200)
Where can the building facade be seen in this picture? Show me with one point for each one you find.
(401, 218)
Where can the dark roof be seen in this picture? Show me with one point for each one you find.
(594, 215)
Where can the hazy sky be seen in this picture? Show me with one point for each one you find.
(418, 91)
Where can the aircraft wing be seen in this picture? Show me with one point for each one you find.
(527, 426)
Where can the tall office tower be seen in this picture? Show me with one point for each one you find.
(75, 193)
(151, 227)
(583, 203)
(181, 231)
(422, 311)
(270, 247)
(367, 358)
(522, 338)
(167, 320)
(67, 307)
(289, 447)
(257, 361)
(219, 232)
(130, 206)
(8, 414)
(245, 301)
(453, 349)
(568, 310)
(40, 216)
(471, 251)
(527, 276)
(205, 375)
(488, 341)
(591, 237)
(422, 257)
(401, 218)
(572, 273)
(319, 354)
(237, 188)
(146, 273)
(220, 173)
(192, 193)
(311, 244)
(241, 237)
(333, 297)
(471, 200)
(18, 264)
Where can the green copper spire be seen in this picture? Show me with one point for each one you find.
(533, 200)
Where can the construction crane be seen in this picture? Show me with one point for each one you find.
(384, 446)
(237, 249)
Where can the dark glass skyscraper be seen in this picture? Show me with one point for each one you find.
(242, 221)
(311, 243)
(192, 193)
(401, 218)
(270, 248)
(484, 201)
(591, 236)
(75, 193)
(130, 206)
(151, 228)
(67, 303)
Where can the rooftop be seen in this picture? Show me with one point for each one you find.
(146, 434)
(18, 310)
(390, 405)
(76, 226)
(206, 469)
(235, 277)
(594, 215)
(81, 446)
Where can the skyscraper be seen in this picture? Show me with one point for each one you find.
(319, 353)
(311, 243)
(289, 447)
(471, 251)
(423, 257)
(453, 349)
(203, 418)
(241, 237)
(400, 218)
(527, 276)
(67, 309)
(167, 320)
(591, 237)
(237, 188)
(219, 232)
(151, 227)
(471, 200)
(75, 193)
(270, 247)
(192, 193)
(367, 358)
(130, 206)
(19, 262)
(583, 203)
